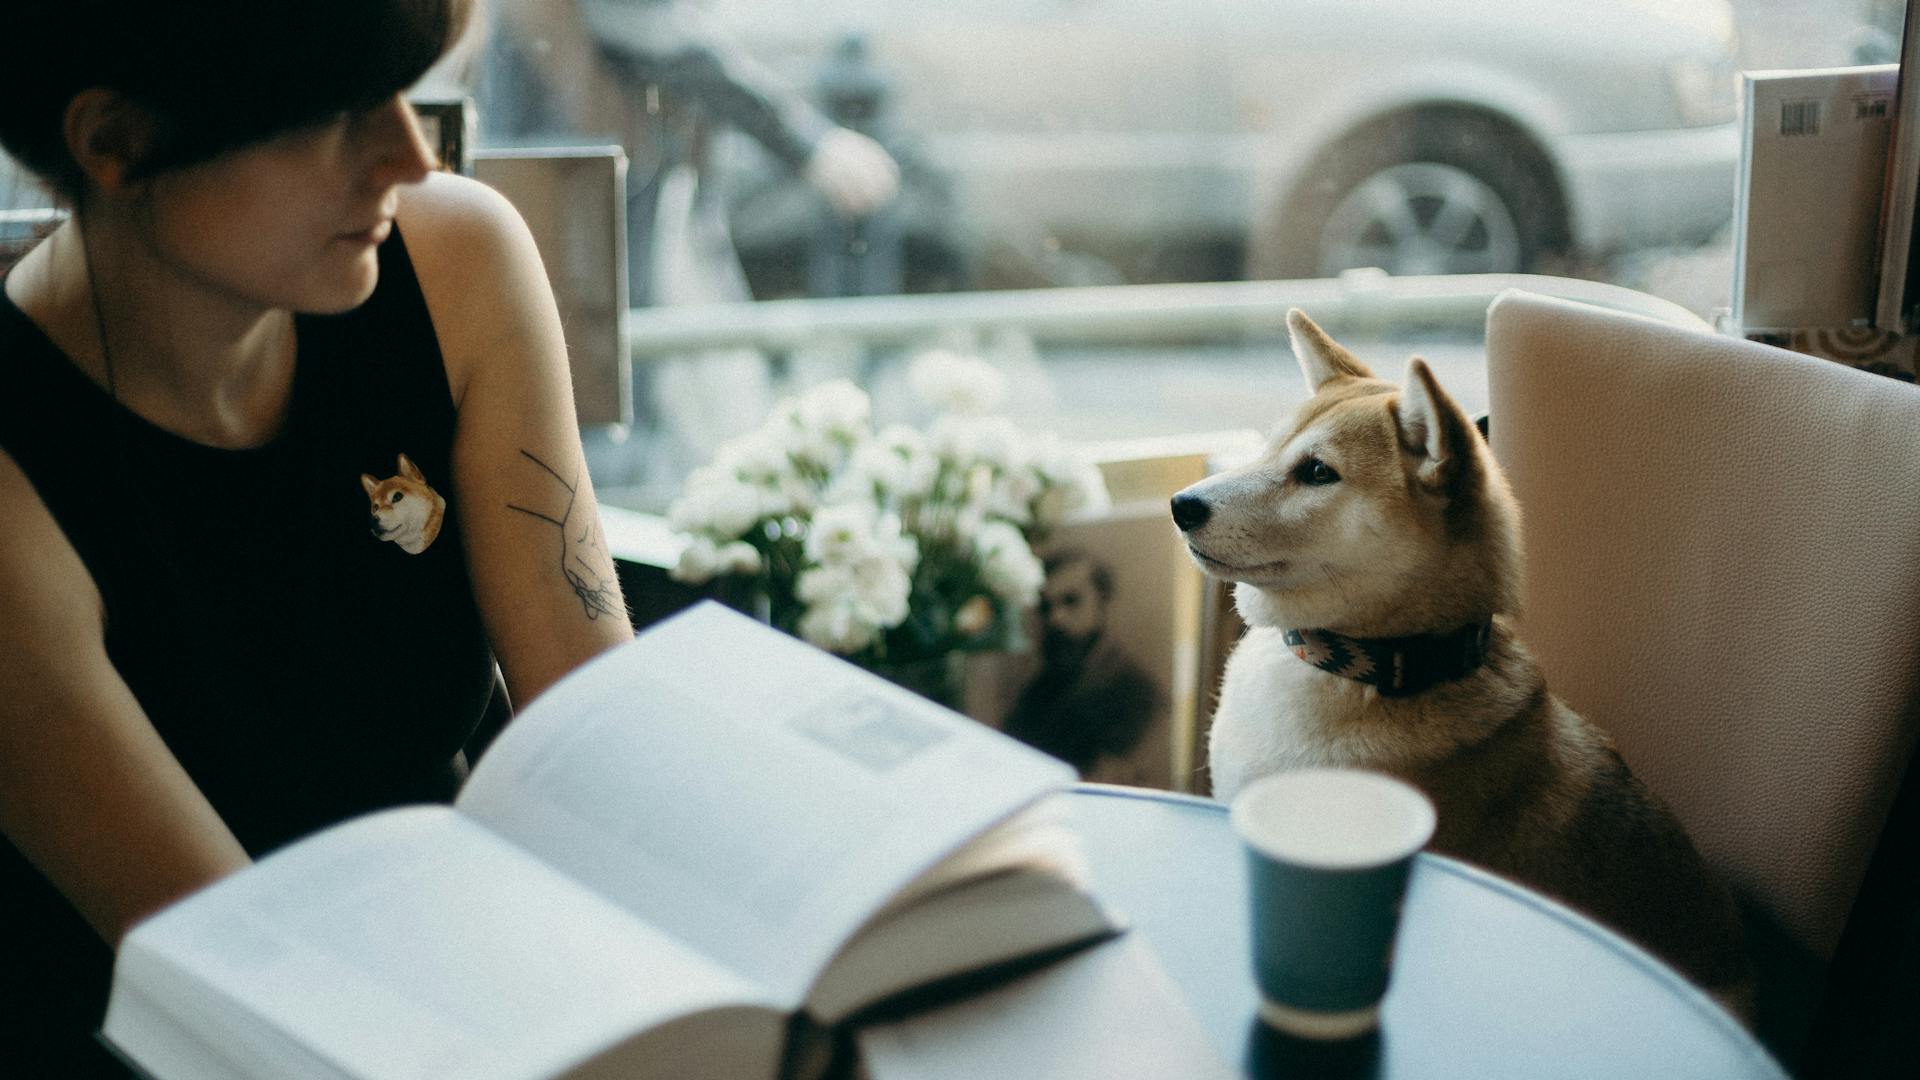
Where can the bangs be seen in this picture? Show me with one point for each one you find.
(242, 71)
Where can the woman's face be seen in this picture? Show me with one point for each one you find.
(292, 222)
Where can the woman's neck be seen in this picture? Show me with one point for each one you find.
(189, 357)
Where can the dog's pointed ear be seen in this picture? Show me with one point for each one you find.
(1433, 426)
(411, 471)
(370, 484)
(1322, 359)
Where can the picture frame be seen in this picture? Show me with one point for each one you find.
(1113, 680)
(1897, 285)
(449, 125)
(1220, 630)
(574, 201)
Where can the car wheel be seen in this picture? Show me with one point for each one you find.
(1423, 193)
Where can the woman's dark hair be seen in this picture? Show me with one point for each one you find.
(217, 75)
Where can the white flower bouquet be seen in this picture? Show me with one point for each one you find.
(891, 547)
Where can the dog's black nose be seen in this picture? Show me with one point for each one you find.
(1190, 511)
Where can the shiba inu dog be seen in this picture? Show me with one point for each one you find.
(1374, 548)
(404, 509)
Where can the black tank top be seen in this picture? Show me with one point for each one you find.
(302, 668)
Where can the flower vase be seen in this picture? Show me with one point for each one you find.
(744, 595)
(941, 678)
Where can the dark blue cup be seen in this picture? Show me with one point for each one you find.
(1328, 856)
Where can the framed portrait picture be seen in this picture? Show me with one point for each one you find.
(574, 200)
(448, 125)
(1220, 630)
(1110, 684)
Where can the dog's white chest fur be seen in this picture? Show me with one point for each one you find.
(1278, 712)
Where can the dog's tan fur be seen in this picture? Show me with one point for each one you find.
(1420, 535)
(405, 509)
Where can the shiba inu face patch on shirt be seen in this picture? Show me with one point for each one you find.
(405, 510)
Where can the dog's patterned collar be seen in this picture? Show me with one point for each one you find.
(1397, 667)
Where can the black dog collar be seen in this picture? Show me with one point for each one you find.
(1398, 666)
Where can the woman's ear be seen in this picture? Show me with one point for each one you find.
(107, 135)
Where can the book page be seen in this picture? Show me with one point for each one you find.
(409, 943)
(746, 791)
(977, 929)
(1104, 1014)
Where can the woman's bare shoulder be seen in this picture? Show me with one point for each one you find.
(455, 224)
(479, 270)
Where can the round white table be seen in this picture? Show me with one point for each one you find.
(1490, 980)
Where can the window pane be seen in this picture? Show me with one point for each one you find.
(1107, 142)
(1124, 141)
(1046, 143)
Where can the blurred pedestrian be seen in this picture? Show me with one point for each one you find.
(660, 77)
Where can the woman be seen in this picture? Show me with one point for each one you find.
(287, 459)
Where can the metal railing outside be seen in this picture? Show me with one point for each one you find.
(1211, 311)
(21, 228)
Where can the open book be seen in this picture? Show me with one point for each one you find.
(678, 849)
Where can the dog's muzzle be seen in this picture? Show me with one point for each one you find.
(1190, 511)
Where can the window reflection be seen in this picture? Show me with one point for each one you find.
(1044, 143)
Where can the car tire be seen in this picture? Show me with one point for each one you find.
(1433, 192)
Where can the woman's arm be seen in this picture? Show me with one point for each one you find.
(542, 575)
(88, 791)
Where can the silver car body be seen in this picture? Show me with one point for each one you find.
(1124, 119)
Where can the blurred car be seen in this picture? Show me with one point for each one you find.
(1877, 39)
(1106, 140)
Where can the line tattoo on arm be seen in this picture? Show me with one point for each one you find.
(583, 550)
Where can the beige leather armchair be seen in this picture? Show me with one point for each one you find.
(1723, 570)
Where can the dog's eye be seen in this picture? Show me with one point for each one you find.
(1315, 473)
(397, 496)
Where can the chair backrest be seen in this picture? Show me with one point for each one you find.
(1723, 570)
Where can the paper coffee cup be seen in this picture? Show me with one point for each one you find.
(1329, 852)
